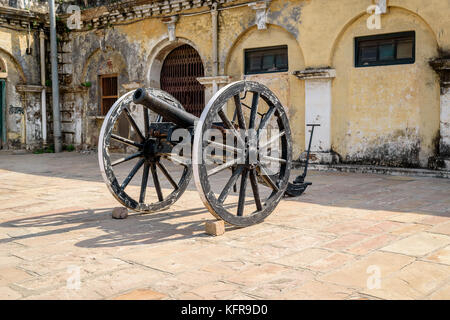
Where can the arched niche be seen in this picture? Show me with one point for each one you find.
(159, 53)
(288, 88)
(103, 62)
(387, 115)
(12, 108)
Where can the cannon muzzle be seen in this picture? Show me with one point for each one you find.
(169, 112)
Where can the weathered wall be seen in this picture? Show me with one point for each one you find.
(445, 122)
(387, 115)
(14, 110)
(287, 87)
(33, 120)
(22, 110)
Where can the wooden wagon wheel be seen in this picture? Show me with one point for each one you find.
(142, 141)
(256, 109)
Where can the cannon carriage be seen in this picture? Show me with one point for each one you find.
(238, 150)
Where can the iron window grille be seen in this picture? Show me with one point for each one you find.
(385, 49)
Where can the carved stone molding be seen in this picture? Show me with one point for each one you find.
(213, 84)
(442, 67)
(261, 13)
(101, 16)
(383, 5)
(171, 25)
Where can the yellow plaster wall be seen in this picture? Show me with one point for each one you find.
(14, 42)
(393, 106)
(287, 88)
(393, 109)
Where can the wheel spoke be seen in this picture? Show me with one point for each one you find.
(255, 188)
(241, 203)
(254, 110)
(266, 177)
(133, 123)
(124, 159)
(177, 159)
(146, 122)
(234, 184)
(156, 182)
(230, 126)
(240, 114)
(231, 182)
(144, 183)
(224, 146)
(265, 120)
(272, 139)
(166, 173)
(222, 167)
(132, 174)
(126, 141)
(274, 159)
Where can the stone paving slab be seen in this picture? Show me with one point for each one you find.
(350, 236)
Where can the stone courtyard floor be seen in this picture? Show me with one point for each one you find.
(350, 236)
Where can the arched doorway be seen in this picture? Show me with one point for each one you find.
(179, 74)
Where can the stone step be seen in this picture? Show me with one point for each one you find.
(415, 172)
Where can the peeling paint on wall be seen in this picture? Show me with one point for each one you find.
(397, 149)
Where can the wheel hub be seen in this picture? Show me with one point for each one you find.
(149, 150)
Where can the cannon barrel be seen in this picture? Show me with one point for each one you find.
(166, 110)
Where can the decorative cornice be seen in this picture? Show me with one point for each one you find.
(103, 16)
(21, 18)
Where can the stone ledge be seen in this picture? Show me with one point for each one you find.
(439, 163)
(29, 88)
(318, 157)
(440, 64)
(214, 79)
(377, 170)
(442, 67)
(132, 86)
(317, 73)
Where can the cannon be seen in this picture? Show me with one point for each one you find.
(238, 150)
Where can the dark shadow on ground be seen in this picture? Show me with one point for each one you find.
(347, 190)
(137, 229)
